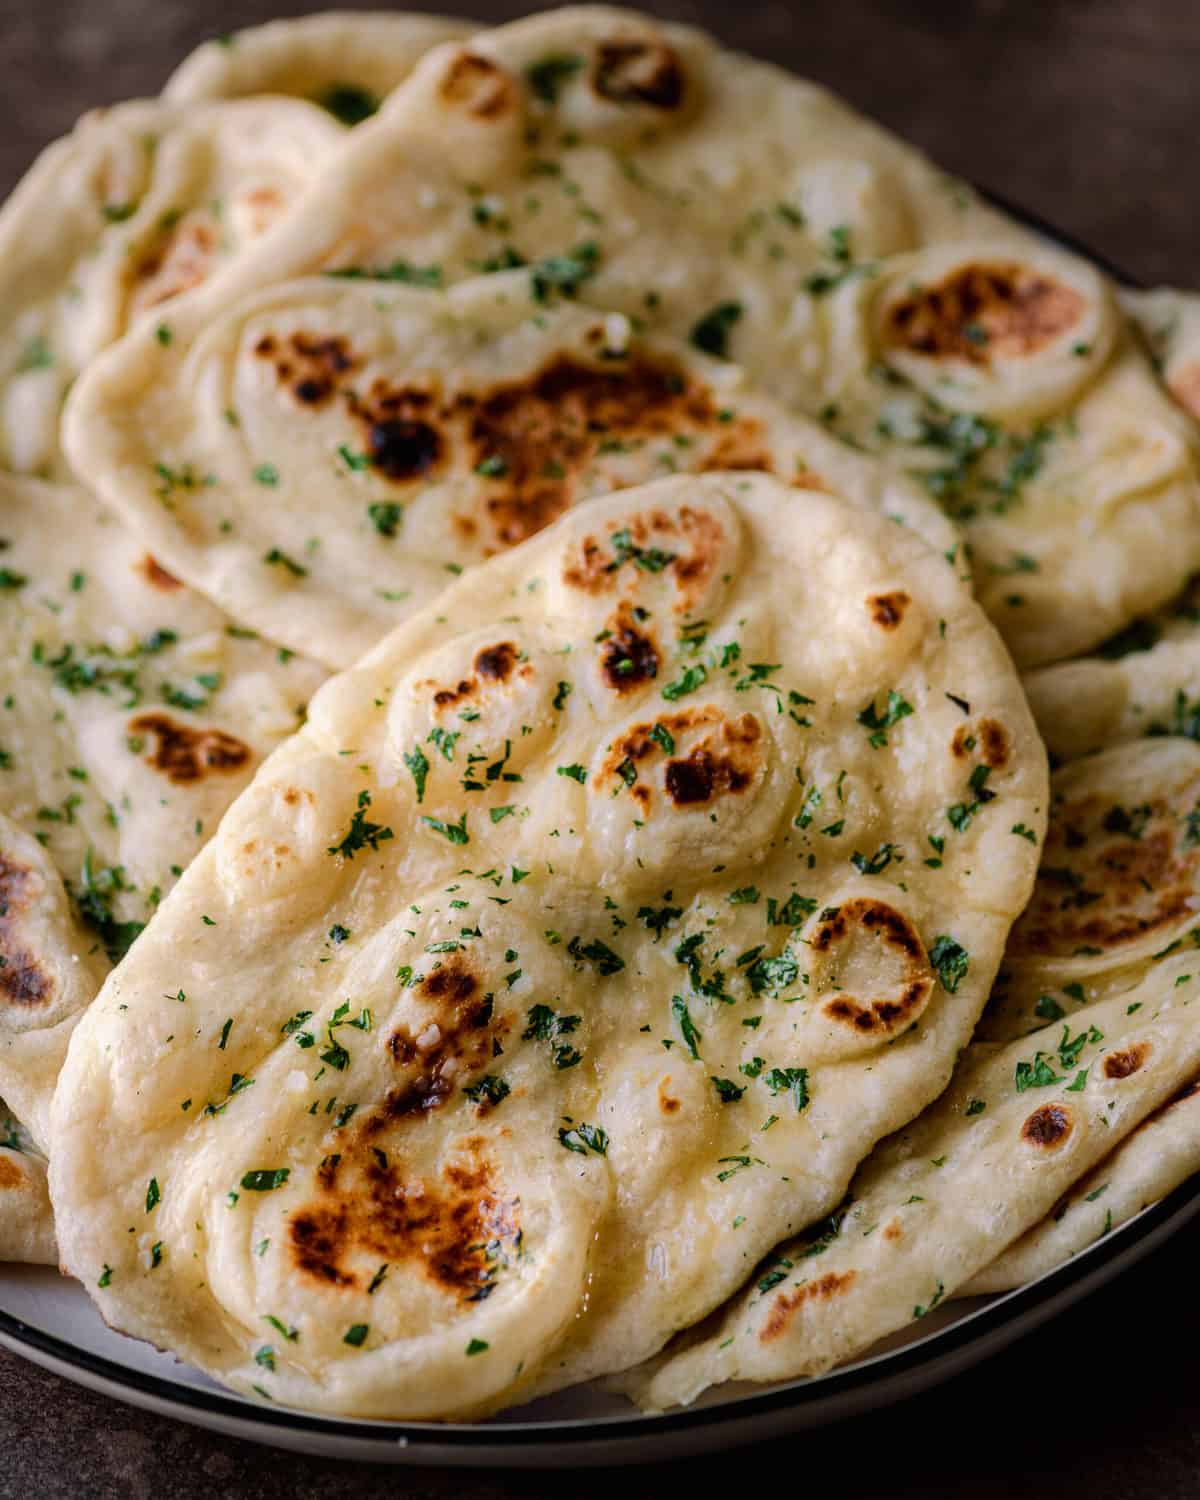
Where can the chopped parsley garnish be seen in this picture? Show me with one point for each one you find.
(363, 834)
(348, 103)
(879, 723)
(455, 833)
(711, 333)
(951, 962)
(385, 516)
(265, 1179)
(584, 1138)
(793, 1081)
(546, 76)
(489, 1090)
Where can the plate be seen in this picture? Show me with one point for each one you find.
(53, 1322)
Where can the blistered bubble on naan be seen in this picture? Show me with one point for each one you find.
(26, 1218)
(142, 202)
(346, 61)
(634, 166)
(516, 978)
(1118, 888)
(1151, 1162)
(1019, 1125)
(131, 714)
(443, 428)
(1001, 335)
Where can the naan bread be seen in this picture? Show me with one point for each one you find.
(26, 1218)
(1161, 1153)
(1170, 321)
(345, 60)
(575, 951)
(1118, 887)
(140, 202)
(711, 197)
(1143, 681)
(360, 442)
(1018, 1125)
(131, 714)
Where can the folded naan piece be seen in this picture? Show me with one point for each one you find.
(345, 60)
(576, 950)
(140, 202)
(1118, 888)
(716, 199)
(26, 1218)
(1019, 1124)
(1143, 681)
(1161, 1153)
(324, 457)
(131, 714)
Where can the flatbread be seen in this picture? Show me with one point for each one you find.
(26, 1218)
(927, 1210)
(1118, 888)
(345, 60)
(637, 166)
(131, 714)
(1143, 681)
(1161, 1153)
(512, 1087)
(140, 202)
(347, 446)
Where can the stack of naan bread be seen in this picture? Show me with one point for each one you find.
(540, 568)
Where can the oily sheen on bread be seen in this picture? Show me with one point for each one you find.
(592, 930)
(345, 60)
(1019, 1124)
(140, 202)
(713, 198)
(323, 458)
(131, 714)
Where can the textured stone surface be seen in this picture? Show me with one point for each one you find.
(1084, 111)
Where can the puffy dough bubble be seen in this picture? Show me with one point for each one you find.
(700, 784)
(671, 560)
(488, 695)
(1006, 330)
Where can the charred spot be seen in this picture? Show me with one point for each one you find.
(667, 1101)
(986, 738)
(313, 366)
(883, 1014)
(701, 776)
(1109, 876)
(538, 433)
(741, 449)
(1048, 1126)
(403, 449)
(453, 1229)
(184, 754)
(456, 1041)
(822, 1289)
(496, 663)
(876, 917)
(157, 576)
(878, 1015)
(628, 657)
(633, 72)
(1126, 1062)
(477, 85)
(887, 610)
(12, 1178)
(695, 539)
(980, 311)
(23, 980)
(893, 1231)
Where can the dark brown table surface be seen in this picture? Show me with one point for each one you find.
(1086, 112)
